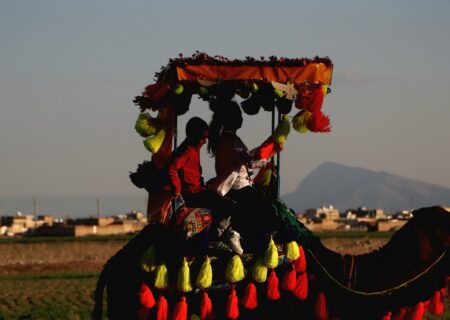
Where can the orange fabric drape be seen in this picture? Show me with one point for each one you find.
(313, 72)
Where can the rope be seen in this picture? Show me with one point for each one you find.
(382, 292)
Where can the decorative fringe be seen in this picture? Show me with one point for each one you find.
(204, 277)
(148, 260)
(436, 307)
(289, 279)
(235, 270)
(184, 278)
(259, 273)
(162, 309)
(181, 310)
(250, 299)
(417, 312)
(400, 315)
(271, 255)
(146, 298)
(292, 251)
(387, 316)
(273, 292)
(300, 263)
(206, 310)
(232, 308)
(301, 287)
(320, 310)
(154, 142)
(161, 277)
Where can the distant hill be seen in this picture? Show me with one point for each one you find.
(74, 206)
(347, 187)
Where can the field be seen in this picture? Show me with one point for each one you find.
(55, 278)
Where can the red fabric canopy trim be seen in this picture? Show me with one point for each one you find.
(313, 73)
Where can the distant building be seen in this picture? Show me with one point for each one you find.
(323, 213)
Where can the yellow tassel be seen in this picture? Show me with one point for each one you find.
(325, 89)
(194, 317)
(235, 269)
(271, 255)
(292, 251)
(148, 260)
(299, 121)
(205, 276)
(161, 277)
(282, 131)
(184, 278)
(259, 273)
(154, 142)
(145, 125)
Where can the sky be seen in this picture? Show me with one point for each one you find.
(70, 69)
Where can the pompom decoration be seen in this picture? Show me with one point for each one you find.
(206, 310)
(250, 299)
(235, 269)
(194, 317)
(300, 263)
(146, 298)
(251, 106)
(320, 310)
(157, 91)
(292, 251)
(300, 120)
(289, 279)
(417, 312)
(282, 130)
(232, 307)
(161, 277)
(259, 273)
(145, 125)
(284, 106)
(184, 278)
(148, 260)
(436, 307)
(205, 276)
(301, 287)
(182, 102)
(181, 310)
(387, 316)
(162, 309)
(273, 292)
(154, 142)
(271, 255)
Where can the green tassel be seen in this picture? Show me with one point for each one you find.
(161, 277)
(300, 120)
(144, 125)
(292, 251)
(235, 270)
(154, 142)
(184, 278)
(205, 275)
(148, 260)
(271, 255)
(259, 273)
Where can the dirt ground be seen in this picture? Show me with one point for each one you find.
(90, 256)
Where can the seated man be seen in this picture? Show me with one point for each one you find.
(185, 176)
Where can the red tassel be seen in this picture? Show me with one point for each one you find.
(162, 309)
(181, 310)
(273, 292)
(417, 312)
(206, 310)
(400, 315)
(146, 298)
(301, 287)
(436, 307)
(250, 299)
(387, 316)
(320, 309)
(312, 101)
(289, 279)
(232, 309)
(300, 263)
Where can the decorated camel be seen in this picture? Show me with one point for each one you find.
(167, 272)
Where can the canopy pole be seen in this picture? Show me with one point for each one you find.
(277, 193)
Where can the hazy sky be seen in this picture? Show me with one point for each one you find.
(70, 69)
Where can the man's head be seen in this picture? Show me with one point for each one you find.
(196, 131)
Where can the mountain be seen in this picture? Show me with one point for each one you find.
(74, 206)
(347, 187)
